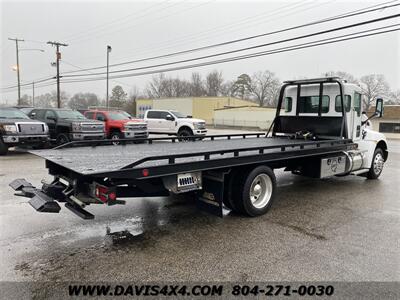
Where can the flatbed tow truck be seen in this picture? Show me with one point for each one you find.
(318, 132)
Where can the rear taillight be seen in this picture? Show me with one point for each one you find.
(104, 193)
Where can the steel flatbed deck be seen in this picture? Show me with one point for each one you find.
(162, 156)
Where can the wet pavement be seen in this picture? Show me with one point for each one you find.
(337, 229)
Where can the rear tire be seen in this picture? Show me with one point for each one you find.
(62, 138)
(3, 147)
(255, 191)
(378, 162)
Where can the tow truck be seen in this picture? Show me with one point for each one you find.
(318, 131)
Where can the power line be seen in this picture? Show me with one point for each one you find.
(257, 54)
(158, 19)
(334, 18)
(321, 42)
(117, 20)
(246, 48)
(195, 35)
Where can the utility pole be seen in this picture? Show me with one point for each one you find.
(18, 79)
(108, 63)
(33, 94)
(58, 57)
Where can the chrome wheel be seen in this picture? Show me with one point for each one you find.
(115, 139)
(377, 164)
(261, 190)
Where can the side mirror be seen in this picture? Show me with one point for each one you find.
(379, 108)
(169, 118)
(32, 115)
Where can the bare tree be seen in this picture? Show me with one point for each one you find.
(156, 87)
(83, 100)
(50, 99)
(344, 75)
(373, 86)
(197, 88)
(180, 88)
(394, 97)
(262, 86)
(214, 82)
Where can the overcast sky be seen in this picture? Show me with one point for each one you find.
(140, 29)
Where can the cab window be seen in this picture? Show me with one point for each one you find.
(50, 115)
(357, 103)
(154, 114)
(89, 115)
(288, 104)
(338, 103)
(100, 117)
(310, 104)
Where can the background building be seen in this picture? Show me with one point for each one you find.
(389, 124)
(244, 117)
(197, 107)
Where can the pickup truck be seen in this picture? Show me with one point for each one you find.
(66, 125)
(119, 124)
(16, 129)
(317, 132)
(174, 123)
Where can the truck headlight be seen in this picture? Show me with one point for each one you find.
(10, 128)
(46, 128)
(76, 127)
(198, 125)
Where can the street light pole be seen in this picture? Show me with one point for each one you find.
(18, 78)
(108, 63)
(33, 94)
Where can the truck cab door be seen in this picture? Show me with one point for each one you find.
(152, 119)
(50, 118)
(356, 117)
(167, 122)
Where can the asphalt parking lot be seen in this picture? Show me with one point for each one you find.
(337, 229)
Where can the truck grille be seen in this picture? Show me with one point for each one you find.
(31, 128)
(136, 127)
(92, 127)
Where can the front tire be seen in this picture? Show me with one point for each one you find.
(378, 162)
(184, 134)
(257, 192)
(3, 147)
(62, 138)
(115, 137)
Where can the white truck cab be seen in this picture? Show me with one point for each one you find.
(173, 123)
(319, 108)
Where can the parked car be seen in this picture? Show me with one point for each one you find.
(67, 125)
(174, 123)
(119, 124)
(16, 129)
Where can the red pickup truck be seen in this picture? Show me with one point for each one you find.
(119, 124)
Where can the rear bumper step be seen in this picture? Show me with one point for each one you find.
(39, 200)
(46, 199)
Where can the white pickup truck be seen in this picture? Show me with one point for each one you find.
(174, 123)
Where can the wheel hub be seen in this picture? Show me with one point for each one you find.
(378, 163)
(261, 190)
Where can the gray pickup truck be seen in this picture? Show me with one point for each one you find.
(16, 129)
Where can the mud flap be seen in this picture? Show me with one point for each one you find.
(210, 198)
